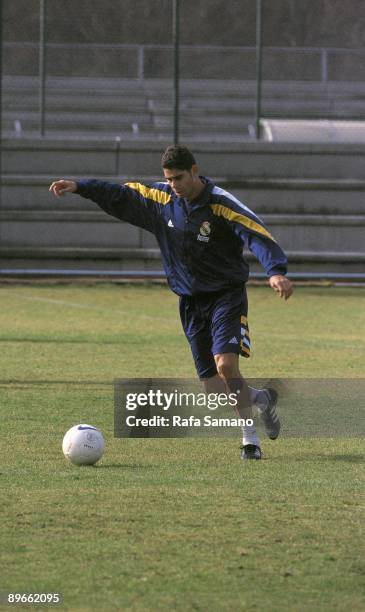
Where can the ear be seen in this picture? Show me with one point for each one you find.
(194, 170)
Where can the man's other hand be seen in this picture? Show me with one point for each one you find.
(282, 285)
(59, 188)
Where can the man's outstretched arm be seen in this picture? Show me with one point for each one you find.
(59, 188)
(134, 203)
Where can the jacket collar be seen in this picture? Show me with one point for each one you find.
(203, 198)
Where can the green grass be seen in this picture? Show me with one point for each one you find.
(172, 524)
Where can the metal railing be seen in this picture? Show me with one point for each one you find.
(47, 273)
(141, 50)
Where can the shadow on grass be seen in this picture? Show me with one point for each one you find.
(135, 466)
(85, 340)
(322, 457)
(349, 458)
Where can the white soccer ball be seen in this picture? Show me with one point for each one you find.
(83, 444)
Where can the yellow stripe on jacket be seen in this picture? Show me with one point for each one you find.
(223, 211)
(151, 193)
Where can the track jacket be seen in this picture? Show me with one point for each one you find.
(201, 241)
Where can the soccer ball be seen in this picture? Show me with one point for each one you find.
(83, 444)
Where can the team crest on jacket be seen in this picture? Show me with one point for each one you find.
(204, 230)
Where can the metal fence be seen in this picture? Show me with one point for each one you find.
(217, 89)
(322, 67)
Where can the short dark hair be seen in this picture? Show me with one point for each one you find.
(178, 156)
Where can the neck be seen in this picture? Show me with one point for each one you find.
(197, 189)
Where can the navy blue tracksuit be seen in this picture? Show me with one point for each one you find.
(201, 245)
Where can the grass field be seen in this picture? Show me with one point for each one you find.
(173, 524)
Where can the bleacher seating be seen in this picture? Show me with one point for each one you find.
(310, 195)
(210, 110)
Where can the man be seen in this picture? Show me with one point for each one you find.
(201, 230)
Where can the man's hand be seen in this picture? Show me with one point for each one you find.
(282, 285)
(59, 188)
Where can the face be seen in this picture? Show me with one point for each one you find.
(185, 183)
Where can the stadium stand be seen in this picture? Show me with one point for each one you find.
(310, 195)
(214, 109)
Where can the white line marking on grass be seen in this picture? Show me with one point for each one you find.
(120, 311)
